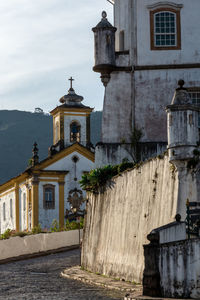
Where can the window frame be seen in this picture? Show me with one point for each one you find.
(177, 32)
(45, 205)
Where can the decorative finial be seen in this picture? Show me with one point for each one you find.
(181, 83)
(71, 81)
(35, 157)
(104, 14)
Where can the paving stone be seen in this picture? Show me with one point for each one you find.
(39, 278)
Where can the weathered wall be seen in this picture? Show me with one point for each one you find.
(32, 244)
(179, 266)
(119, 219)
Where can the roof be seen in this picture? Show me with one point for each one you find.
(47, 162)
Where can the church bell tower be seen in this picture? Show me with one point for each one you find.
(71, 121)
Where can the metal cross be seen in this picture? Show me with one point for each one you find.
(71, 79)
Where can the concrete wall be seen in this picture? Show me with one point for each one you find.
(118, 220)
(179, 266)
(18, 246)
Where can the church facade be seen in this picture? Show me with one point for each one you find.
(151, 46)
(46, 190)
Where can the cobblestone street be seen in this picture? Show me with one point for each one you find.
(39, 278)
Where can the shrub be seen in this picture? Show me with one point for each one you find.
(55, 226)
(36, 229)
(6, 234)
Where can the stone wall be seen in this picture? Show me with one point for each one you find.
(38, 243)
(119, 219)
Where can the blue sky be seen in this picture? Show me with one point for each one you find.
(43, 43)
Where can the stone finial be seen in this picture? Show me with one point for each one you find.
(35, 157)
(181, 96)
(104, 14)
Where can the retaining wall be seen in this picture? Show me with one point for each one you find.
(118, 220)
(17, 247)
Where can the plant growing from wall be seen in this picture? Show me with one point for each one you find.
(136, 136)
(98, 178)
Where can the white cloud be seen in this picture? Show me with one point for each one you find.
(42, 43)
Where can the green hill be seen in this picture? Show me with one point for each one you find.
(20, 129)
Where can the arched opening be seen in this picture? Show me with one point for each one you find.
(75, 132)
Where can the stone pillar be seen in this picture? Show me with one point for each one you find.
(151, 275)
(35, 201)
(61, 204)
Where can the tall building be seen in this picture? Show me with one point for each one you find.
(46, 190)
(151, 45)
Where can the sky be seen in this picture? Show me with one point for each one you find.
(42, 44)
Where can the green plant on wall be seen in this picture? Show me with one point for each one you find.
(98, 178)
(136, 136)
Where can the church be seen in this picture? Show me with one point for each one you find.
(46, 190)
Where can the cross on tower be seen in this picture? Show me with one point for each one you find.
(71, 80)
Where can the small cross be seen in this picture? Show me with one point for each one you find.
(71, 79)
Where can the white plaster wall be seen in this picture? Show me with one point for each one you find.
(118, 220)
(190, 23)
(9, 222)
(68, 120)
(18, 246)
(154, 90)
(122, 20)
(179, 265)
(117, 109)
(22, 207)
(46, 216)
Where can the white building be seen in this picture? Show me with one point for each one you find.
(151, 46)
(46, 190)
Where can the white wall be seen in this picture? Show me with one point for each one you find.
(190, 23)
(17, 246)
(179, 266)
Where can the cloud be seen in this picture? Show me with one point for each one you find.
(42, 43)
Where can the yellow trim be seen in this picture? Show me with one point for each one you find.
(49, 180)
(61, 204)
(11, 183)
(61, 126)
(68, 109)
(75, 147)
(10, 191)
(17, 207)
(83, 115)
(35, 203)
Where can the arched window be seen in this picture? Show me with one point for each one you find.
(4, 211)
(24, 201)
(49, 196)
(75, 132)
(11, 208)
(165, 29)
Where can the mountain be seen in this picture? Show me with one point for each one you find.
(18, 132)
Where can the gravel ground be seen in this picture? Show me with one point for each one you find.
(39, 278)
